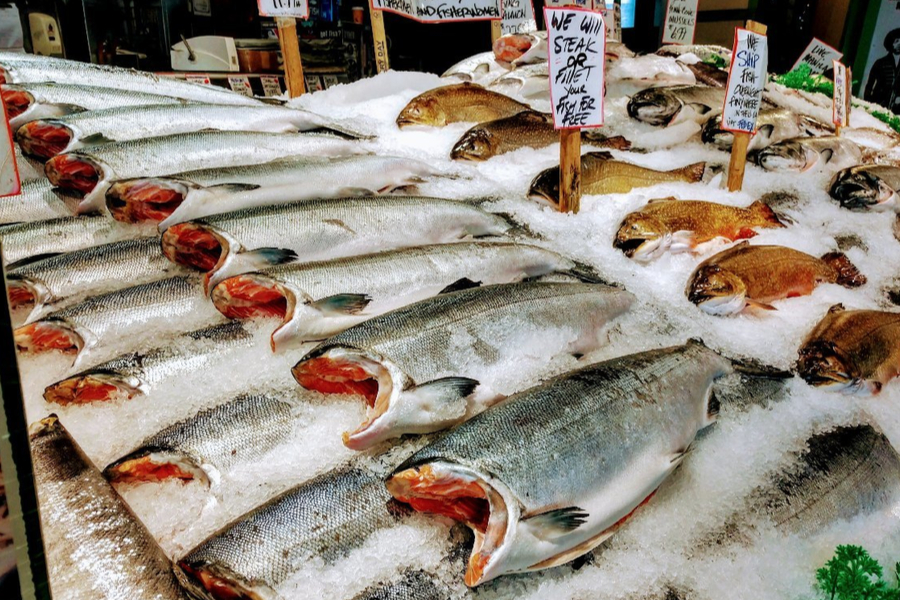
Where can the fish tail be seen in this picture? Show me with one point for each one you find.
(518, 229)
(587, 273)
(847, 273)
(695, 172)
(766, 213)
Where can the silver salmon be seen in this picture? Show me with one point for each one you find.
(773, 126)
(867, 187)
(803, 154)
(36, 202)
(663, 106)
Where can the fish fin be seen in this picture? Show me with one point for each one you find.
(680, 454)
(535, 116)
(699, 108)
(517, 229)
(231, 188)
(343, 304)
(557, 522)
(757, 304)
(847, 273)
(586, 273)
(683, 240)
(766, 129)
(355, 191)
(29, 260)
(482, 69)
(754, 368)
(460, 284)
(694, 172)
(446, 390)
(713, 407)
(96, 139)
(765, 211)
(827, 154)
(598, 155)
(267, 257)
(837, 308)
(666, 199)
(573, 553)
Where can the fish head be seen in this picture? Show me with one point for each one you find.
(642, 237)
(422, 110)
(787, 156)
(81, 173)
(202, 579)
(27, 291)
(49, 335)
(45, 138)
(477, 144)
(151, 464)
(95, 385)
(194, 245)
(16, 100)
(654, 106)
(146, 199)
(712, 133)
(859, 189)
(545, 187)
(822, 364)
(717, 291)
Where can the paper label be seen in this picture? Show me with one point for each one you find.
(197, 78)
(818, 55)
(681, 22)
(298, 9)
(440, 11)
(313, 83)
(746, 79)
(9, 170)
(518, 16)
(577, 44)
(270, 85)
(842, 95)
(240, 84)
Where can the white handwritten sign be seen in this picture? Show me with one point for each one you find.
(437, 11)
(746, 79)
(197, 78)
(842, 82)
(518, 16)
(270, 84)
(9, 170)
(577, 40)
(298, 9)
(818, 55)
(240, 84)
(681, 22)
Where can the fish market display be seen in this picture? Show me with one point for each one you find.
(429, 365)
(867, 187)
(806, 153)
(532, 488)
(463, 102)
(36, 202)
(100, 550)
(530, 129)
(663, 106)
(92, 170)
(856, 351)
(773, 126)
(194, 194)
(755, 276)
(254, 238)
(602, 174)
(319, 299)
(47, 137)
(670, 225)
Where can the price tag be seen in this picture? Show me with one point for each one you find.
(818, 55)
(746, 79)
(298, 9)
(842, 95)
(440, 11)
(330, 81)
(518, 16)
(240, 84)
(313, 83)
(9, 170)
(577, 40)
(198, 78)
(270, 84)
(681, 22)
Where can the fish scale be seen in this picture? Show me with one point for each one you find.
(35, 202)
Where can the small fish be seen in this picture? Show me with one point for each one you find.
(802, 154)
(650, 69)
(773, 126)
(854, 351)
(201, 447)
(91, 171)
(137, 373)
(527, 129)
(96, 548)
(36, 202)
(664, 106)
(462, 102)
(682, 225)
(755, 276)
(525, 475)
(415, 366)
(477, 67)
(164, 306)
(318, 299)
(194, 194)
(602, 174)
(867, 187)
(256, 238)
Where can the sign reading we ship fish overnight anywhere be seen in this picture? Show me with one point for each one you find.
(746, 80)
(577, 41)
(284, 8)
(437, 11)
(681, 22)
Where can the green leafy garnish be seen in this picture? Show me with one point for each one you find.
(886, 117)
(717, 61)
(802, 78)
(854, 575)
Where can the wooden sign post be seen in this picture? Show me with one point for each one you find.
(382, 62)
(577, 42)
(843, 78)
(746, 80)
(496, 31)
(290, 50)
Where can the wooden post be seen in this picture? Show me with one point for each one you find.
(290, 51)
(382, 62)
(741, 140)
(569, 170)
(496, 31)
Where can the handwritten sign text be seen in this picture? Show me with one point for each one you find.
(284, 8)
(842, 95)
(577, 40)
(681, 22)
(746, 79)
(518, 17)
(436, 11)
(818, 55)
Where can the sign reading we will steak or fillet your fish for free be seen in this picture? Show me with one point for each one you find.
(435, 11)
(577, 44)
(746, 79)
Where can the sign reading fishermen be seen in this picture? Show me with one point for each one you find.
(577, 40)
(436, 11)
(746, 79)
(284, 8)
(681, 22)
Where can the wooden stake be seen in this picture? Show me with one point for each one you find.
(496, 31)
(741, 140)
(382, 62)
(569, 170)
(290, 51)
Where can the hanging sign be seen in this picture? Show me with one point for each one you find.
(270, 85)
(518, 16)
(577, 43)
(818, 55)
(842, 95)
(441, 11)
(299, 9)
(9, 171)
(681, 22)
(746, 79)
(240, 84)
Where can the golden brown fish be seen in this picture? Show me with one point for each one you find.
(463, 102)
(602, 174)
(754, 276)
(529, 128)
(855, 351)
(682, 225)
